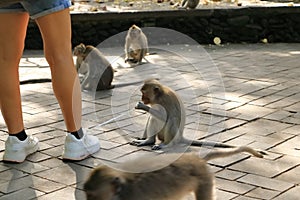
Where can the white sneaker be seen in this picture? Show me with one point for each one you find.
(79, 149)
(17, 150)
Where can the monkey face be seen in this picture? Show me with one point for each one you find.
(150, 92)
(134, 31)
(145, 98)
(79, 50)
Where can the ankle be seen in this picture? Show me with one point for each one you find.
(78, 134)
(21, 135)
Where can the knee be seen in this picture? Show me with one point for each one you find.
(11, 55)
(59, 56)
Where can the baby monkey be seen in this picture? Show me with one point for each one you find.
(136, 45)
(189, 173)
(98, 71)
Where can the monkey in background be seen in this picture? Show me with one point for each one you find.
(136, 45)
(189, 4)
(167, 118)
(189, 173)
(79, 52)
(98, 71)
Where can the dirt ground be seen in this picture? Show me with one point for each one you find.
(144, 5)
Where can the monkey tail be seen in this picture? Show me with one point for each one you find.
(225, 153)
(207, 143)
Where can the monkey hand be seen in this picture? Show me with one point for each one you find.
(141, 106)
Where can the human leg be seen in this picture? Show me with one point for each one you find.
(12, 36)
(56, 33)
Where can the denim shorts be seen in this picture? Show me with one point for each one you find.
(37, 8)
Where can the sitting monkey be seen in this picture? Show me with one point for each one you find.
(136, 45)
(98, 71)
(187, 174)
(167, 118)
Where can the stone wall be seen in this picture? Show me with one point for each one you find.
(236, 25)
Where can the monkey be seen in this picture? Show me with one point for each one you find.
(136, 45)
(189, 4)
(189, 173)
(167, 118)
(99, 72)
(79, 52)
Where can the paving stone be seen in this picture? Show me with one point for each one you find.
(292, 194)
(67, 174)
(37, 157)
(289, 147)
(54, 151)
(278, 115)
(262, 193)
(51, 163)
(233, 186)
(16, 184)
(264, 127)
(293, 174)
(292, 130)
(25, 194)
(258, 166)
(45, 186)
(29, 167)
(267, 183)
(250, 112)
(244, 198)
(252, 100)
(229, 174)
(224, 195)
(66, 193)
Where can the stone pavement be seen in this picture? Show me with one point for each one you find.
(243, 94)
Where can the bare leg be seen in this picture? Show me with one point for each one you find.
(12, 35)
(56, 32)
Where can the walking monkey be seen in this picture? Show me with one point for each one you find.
(136, 45)
(167, 118)
(189, 173)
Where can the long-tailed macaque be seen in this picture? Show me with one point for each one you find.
(167, 118)
(99, 73)
(189, 173)
(136, 45)
(190, 4)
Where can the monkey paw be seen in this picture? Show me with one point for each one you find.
(156, 147)
(134, 143)
(138, 143)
